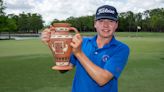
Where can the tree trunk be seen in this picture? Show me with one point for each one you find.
(36, 31)
(0, 35)
(9, 35)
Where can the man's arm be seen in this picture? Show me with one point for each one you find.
(101, 76)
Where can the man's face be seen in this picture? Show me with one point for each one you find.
(105, 27)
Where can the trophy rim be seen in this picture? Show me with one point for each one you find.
(61, 24)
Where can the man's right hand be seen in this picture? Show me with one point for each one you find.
(45, 35)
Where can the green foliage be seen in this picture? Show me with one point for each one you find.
(29, 22)
(157, 19)
(84, 23)
(3, 22)
(11, 24)
(22, 23)
(2, 17)
(7, 24)
(149, 20)
(2, 7)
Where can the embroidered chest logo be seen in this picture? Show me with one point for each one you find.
(105, 58)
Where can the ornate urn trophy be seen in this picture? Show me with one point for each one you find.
(60, 39)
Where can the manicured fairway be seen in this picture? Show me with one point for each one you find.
(25, 66)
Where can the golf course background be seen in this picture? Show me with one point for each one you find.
(25, 65)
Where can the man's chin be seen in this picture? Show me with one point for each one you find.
(108, 36)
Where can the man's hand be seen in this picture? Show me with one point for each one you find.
(45, 36)
(76, 44)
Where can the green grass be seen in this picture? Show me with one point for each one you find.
(145, 69)
(130, 34)
(25, 66)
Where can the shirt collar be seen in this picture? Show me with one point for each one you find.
(112, 42)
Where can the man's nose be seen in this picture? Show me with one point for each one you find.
(106, 24)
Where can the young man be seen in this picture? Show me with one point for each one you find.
(100, 60)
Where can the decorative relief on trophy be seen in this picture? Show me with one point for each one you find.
(59, 47)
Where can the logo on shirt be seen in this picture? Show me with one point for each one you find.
(105, 58)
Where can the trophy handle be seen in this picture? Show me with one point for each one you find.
(73, 29)
(53, 29)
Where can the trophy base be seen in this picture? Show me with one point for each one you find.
(62, 67)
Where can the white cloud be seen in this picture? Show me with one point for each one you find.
(62, 9)
(18, 4)
(140, 6)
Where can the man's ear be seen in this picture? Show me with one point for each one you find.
(94, 24)
(116, 25)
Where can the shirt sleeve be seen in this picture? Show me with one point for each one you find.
(73, 59)
(117, 62)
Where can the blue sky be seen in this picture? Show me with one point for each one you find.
(62, 9)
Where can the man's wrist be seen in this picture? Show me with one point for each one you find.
(78, 54)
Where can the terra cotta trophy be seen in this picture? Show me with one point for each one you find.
(59, 44)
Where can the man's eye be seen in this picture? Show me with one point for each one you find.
(111, 20)
(100, 20)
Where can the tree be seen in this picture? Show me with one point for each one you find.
(7, 25)
(15, 19)
(157, 19)
(23, 23)
(146, 21)
(2, 7)
(149, 21)
(3, 22)
(36, 22)
(2, 17)
(11, 26)
(123, 24)
(138, 19)
(6, 22)
(131, 20)
(29, 22)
